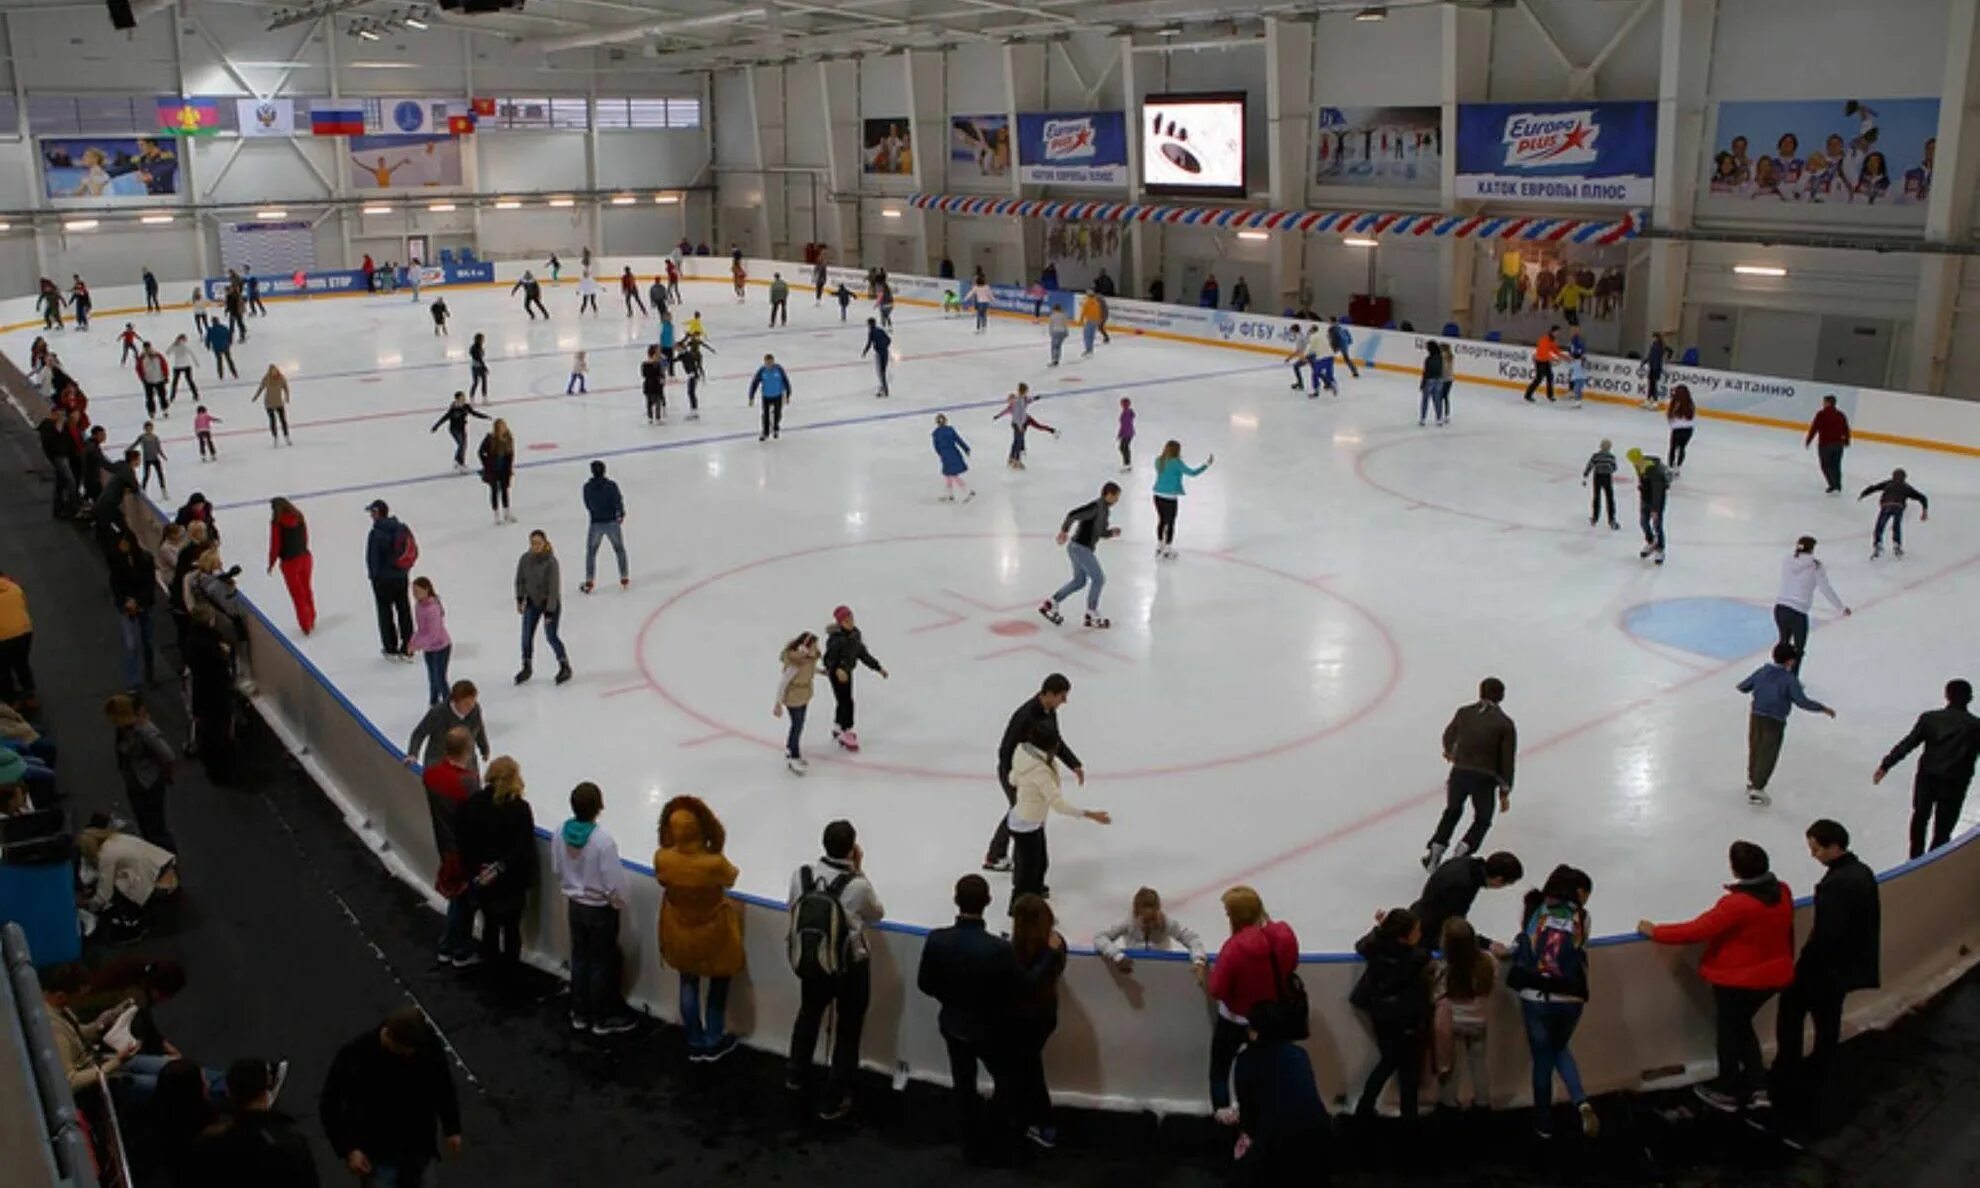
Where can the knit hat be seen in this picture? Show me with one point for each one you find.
(13, 768)
(841, 614)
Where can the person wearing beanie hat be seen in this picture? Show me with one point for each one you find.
(845, 649)
(1653, 485)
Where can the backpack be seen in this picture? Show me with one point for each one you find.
(1291, 997)
(1547, 956)
(405, 550)
(820, 941)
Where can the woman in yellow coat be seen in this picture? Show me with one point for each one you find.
(700, 930)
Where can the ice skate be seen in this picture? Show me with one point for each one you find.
(625, 583)
(1876, 551)
(1658, 556)
(526, 672)
(848, 739)
(1096, 622)
(1897, 550)
(1433, 856)
(1646, 551)
(1757, 797)
(1614, 527)
(997, 865)
(1460, 852)
(947, 497)
(969, 495)
(498, 516)
(1051, 613)
(563, 672)
(585, 588)
(795, 765)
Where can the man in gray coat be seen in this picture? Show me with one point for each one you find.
(1479, 744)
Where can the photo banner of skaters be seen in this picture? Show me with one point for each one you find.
(1525, 287)
(1835, 161)
(980, 151)
(887, 147)
(1387, 148)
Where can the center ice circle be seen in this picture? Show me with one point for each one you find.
(1212, 661)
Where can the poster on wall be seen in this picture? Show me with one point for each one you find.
(1193, 145)
(110, 167)
(399, 162)
(1532, 286)
(1080, 149)
(1385, 147)
(1558, 153)
(887, 147)
(1847, 156)
(1082, 252)
(979, 148)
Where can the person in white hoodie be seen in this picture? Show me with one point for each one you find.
(1035, 777)
(1149, 929)
(180, 354)
(1801, 576)
(586, 862)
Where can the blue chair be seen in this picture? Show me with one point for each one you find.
(1389, 325)
(467, 255)
(1288, 313)
(1689, 358)
(1492, 336)
(447, 257)
(1451, 330)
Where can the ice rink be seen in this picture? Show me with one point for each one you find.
(1266, 709)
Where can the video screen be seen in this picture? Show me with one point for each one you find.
(1193, 145)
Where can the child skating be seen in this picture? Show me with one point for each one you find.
(579, 367)
(1602, 468)
(203, 423)
(844, 296)
(1017, 406)
(1124, 436)
(845, 651)
(1892, 495)
(1081, 533)
(951, 449)
(128, 336)
(440, 313)
(152, 451)
(1776, 691)
(1653, 489)
(1577, 378)
(456, 419)
(696, 371)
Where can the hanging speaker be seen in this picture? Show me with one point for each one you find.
(120, 14)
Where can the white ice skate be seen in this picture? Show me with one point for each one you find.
(1051, 613)
(796, 765)
(1758, 798)
(1098, 623)
(1433, 856)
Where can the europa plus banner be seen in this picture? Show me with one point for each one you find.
(1558, 153)
(1073, 149)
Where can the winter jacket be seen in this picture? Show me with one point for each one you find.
(430, 627)
(1395, 988)
(1546, 350)
(1845, 946)
(288, 537)
(1169, 479)
(950, 448)
(603, 500)
(772, 380)
(219, 338)
(539, 581)
(388, 1105)
(1830, 428)
(1653, 484)
(1894, 492)
(1776, 690)
(502, 833)
(1252, 968)
(844, 649)
(972, 973)
(1951, 738)
(1019, 728)
(273, 391)
(1481, 737)
(448, 788)
(1748, 936)
(497, 465)
(798, 671)
(134, 578)
(381, 550)
(1036, 780)
(1450, 891)
(700, 930)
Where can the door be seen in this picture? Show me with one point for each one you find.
(417, 250)
(1718, 329)
(1777, 342)
(898, 254)
(1854, 351)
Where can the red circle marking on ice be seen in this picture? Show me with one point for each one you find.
(1012, 627)
(1392, 653)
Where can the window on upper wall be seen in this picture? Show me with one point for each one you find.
(649, 113)
(59, 115)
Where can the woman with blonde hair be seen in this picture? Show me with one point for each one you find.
(497, 835)
(498, 469)
(1252, 968)
(700, 930)
(273, 393)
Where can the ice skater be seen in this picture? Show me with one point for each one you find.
(1040, 709)
(203, 423)
(629, 289)
(431, 639)
(588, 290)
(152, 451)
(1322, 367)
(1036, 781)
(951, 304)
(656, 296)
(220, 340)
(667, 343)
(259, 310)
(1017, 406)
(952, 450)
(128, 338)
(1433, 372)
(1892, 495)
(1057, 327)
(1481, 744)
(1829, 432)
(673, 278)
(532, 291)
(775, 384)
(780, 301)
(1546, 353)
(738, 276)
(1338, 342)
(798, 670)
(1170, 470)
(1081, 533)
(1124, 435)
(440, 313)
(605, 511)
(653, 385)
(273, 392)
(878, 343)
(1776, 691)
(498, 469)
(979, 301)
(885, 304)
(579, 368)
(181, 356)
(1801, 576)
(818, 278)
(478, 367)
(1602, 469)
(696, 371)
(455, 418)
(1090, 319)
(844, 297)
(1653, 489)
(288, 547)
(1578, 383)
(152, 373)
(845, 651)
(1682, 416)
(198, 303)
(539, 600)
(1654, 360)
(1302, 350)
(1951, 738)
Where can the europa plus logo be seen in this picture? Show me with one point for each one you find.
(1535, 140)
(1069, 140)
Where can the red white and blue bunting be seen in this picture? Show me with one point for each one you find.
(1304, 222)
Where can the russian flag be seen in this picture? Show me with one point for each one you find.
(336, 119)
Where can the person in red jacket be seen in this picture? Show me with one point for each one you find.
(1251, 968)
(288, 546)
(1749, 957)
(1544, 353)
(449, 784)
(1829, 433)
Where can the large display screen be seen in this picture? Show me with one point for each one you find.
(1193, 145)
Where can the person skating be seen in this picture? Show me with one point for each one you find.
(539, 599)
(1124, 435)
(1776, 690)
(884, 303)
(775, 384)
(667, 342)
(1170, 470)
(1951, 738)
(588, 290)
(1091, 319)
(780, 301)
(1892, 495)
(1338, 342)
(220, 340)
(497, 455)
(844, 296)
(693, 347)
(845, 651)
(1481, 744)
(629, 290)
(653, 385)
(605, 510)
(1081, 533)
(440, 314)
(532, 292)
(673, 278)
(1017, 406)
(1829, 433)
(152, 373)
(1322, 368)
(580, 368)
(1545, 353)
(478, 367)
(151, 292)
(456, 419)
(273, 392)
(818, 279)
(180, 355)
(288, 546)
(878, 343)
(1682, 416)
(152, 451)
(127, 341)
(1801, 576)
(656, 296)
(738, 277)
(203, 423)
(1654, 360)
(1653, 490)
(1842, 955)
(1035, 778)
(1040, 708)
(1433, 371)
(390, 552)
(1057, 327)
(1602, 469)
(951, 449)
(797, 670)
(259, 310)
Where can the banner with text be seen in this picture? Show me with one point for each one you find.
(1087, 149)
(1558, 153)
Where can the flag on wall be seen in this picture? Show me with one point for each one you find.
(266, 117)
(461, 125)
(189, 117)
(483, 107)
(414, 117)
(336, 119)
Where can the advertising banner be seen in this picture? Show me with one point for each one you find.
(400, 162)
(1193, 145)
(1081, 149)
(1398, 148)
(265, 117)
(283, 284)
(110, 167)
(887, 147)
(1558, 153)
(979, 149)
(1851, 157)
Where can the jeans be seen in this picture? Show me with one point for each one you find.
(1935, 800)
(395, 1175)
(136, 631)
(394, 603)
(436, 673)
(1549, 1029)
(851, 991)
(1894, 517)
(139, 1075)
(1792, 626)
(595, 533)
(531, 616)
(703, 1031)
(1030, 859)
(1086, 572)
(1401, 1048)
(796, 714)
(65, 487)
(1058, 345)
(1604, 488)
(1225, 1040)
(595, 963)
(1831, 457)
(477, 384)
(1740, 1070)
(982, 315)
(457, 934)
(1017, 442)
(576, 383)
(1651, 520)
(1763, 748)
(1480, 789)
(1086, 334)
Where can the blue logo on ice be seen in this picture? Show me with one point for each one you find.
(410, 116)
(1722, 628)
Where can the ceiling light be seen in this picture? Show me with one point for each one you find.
(1253, 235)
(890, 214)
(1759, 270)
(367, 35)
(6, 226)
(378, 210)
(624, 200)
(508, 204)
(271, 214)
(1359, 242)
(1170, 31)
(563, 202)
(1374, 12)
(665, 199)
(79, 225)
(415, 23)
(441, 207)
(155, 220)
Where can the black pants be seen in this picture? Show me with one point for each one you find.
(588, 301)
(1656, 382)
(1028, 1099)
(595, 963)
(1831, 456)
(223, 362)
(1000, 841)
(1480, 788)
(1792, 625)
(15, 674)
(155, 397)
(185, 373)
(966, 1057)
(1352, 369)
(1029, 861)
(1295, 1155)
(151, 468)
(1680, 438)
(1604, 489)
(148, 806)
(1740, 1071)
(536, 302)
(780, 312)
(1571, 316)
(842, 702)
(254, 304)
(65, 487)
(238, 323)
(773, 415)
(501, 935)
(460, 445)
(1542, 372)
(477, 382)
(1813, 997)
(151, 301)
(1127, 451)
(1401, 1048)
(1165, 520)
(656, 402)
(1935, 800)
(278, 416)
(1225, 1040)
(498, 494)
(395, 622)
(850, 992)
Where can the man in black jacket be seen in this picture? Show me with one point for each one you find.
(255, 1147)
(1841, 955)
(134, 589)
(1951, 737)
(386, 1091)
(60, 450)
(1452, 888)
(1044, 707)
(971, 972)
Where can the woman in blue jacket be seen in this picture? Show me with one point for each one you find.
(1170, 470)
(951, 448)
